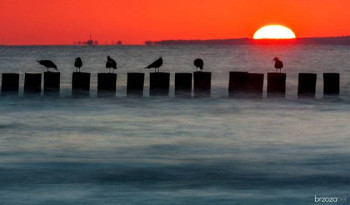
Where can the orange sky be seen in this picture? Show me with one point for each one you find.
(24, 22)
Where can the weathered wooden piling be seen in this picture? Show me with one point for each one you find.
(331, 84)
(106, 84)
(159, 84)
(237, 84)
(276, 84)
(183, 84)
(255, 85)
(135, 84)
(10, 84)
(81, 83)
(52, 83)
(32, 83)
(201, 84)
(307, 85)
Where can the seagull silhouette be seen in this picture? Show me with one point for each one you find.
(199, 64)
(278, 64)
(156, 64)
(78, 64)
(48, 64)
(111, 63)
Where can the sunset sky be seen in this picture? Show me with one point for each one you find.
(40, 22)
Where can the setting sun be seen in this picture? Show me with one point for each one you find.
(274, 32)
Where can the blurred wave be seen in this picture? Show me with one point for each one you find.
(175, 151)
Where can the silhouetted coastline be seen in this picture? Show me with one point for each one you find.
(343, 40)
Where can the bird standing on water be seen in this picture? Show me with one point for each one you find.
(48, 64)
(278, 64)
(156, 64)
(199, 64)
(111, 63)
(78, 64)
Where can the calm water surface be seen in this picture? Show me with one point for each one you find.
(176, 151)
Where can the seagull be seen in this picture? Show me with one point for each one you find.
(48, 64)
(278, 64)
(78, 63)
(111, 63)
(199, 64)
(156, 64)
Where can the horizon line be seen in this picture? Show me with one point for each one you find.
(214, 39)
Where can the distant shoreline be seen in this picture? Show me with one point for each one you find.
(341, 40)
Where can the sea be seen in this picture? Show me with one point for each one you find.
(176, 151)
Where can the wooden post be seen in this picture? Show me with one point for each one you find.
(159, 84)
(307, 85)
(106, 84)
(81, 84)
(331, 84)
(32, 83)
(237, 84)
(52, 83)
(135, 84)
(276, 84)
(255, 85)
(10, 84)
(202, 84)
(183, 84)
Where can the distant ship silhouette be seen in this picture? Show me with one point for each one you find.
(89, 42)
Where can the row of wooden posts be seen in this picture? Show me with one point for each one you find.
(241, 84)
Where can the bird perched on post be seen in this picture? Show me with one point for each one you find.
(278, 64)
(156, 64)
(111, 63)
(199, 64)
(48, 64)
(78, 64)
